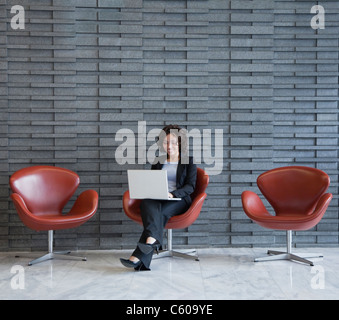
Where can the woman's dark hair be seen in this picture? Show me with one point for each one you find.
(180, 133)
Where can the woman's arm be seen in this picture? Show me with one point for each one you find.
(189, 184)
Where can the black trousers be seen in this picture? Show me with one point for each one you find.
(155, 214)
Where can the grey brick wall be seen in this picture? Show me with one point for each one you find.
(83, 69)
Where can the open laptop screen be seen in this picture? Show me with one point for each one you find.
(148, 184)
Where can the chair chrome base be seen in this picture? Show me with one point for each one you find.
(279, 255)
(171, 253)
(54, 254)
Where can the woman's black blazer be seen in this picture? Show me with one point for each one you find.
(186, 178)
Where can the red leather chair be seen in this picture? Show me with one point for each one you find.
(132, 210)
(41, 192)
(299, 199)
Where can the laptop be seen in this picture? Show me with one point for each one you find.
(148, 184)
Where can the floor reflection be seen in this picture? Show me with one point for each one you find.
(227, 273)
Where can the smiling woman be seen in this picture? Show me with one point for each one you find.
(155, 213)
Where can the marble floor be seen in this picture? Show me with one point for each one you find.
(221, 273)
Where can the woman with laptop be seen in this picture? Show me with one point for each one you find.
(181, 175)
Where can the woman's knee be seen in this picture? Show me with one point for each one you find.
(147, 205)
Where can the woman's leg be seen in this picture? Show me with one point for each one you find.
(150, 211)
(155, 214)
(152, 219)
(173, 208)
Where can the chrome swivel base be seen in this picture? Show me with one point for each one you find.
(169, 252)
(279, 255)
(172, 253)
(54, 254)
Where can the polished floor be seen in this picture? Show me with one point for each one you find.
(227, 273)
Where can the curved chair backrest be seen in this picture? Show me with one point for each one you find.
(294, 189)
(201, 184)
(45, 189)
(198, 197)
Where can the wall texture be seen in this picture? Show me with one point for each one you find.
(83, 69)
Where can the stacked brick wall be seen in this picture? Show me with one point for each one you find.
(81, 70)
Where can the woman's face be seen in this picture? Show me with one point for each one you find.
(171, 145)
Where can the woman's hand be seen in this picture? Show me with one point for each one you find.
(170, 195)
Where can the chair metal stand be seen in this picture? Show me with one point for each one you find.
(54, 254)
(169, 252)
(279, 255)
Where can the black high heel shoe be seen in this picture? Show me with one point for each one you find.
(130, 264)
(138, 266)
(147, 248)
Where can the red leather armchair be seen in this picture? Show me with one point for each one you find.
(299, 199)
(132, 210)
(39, 195)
